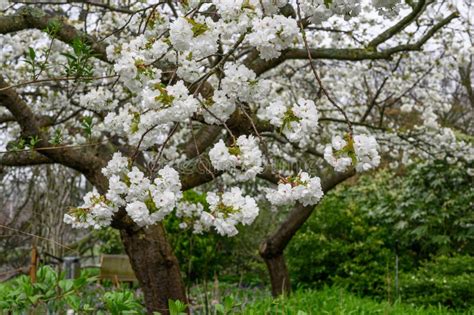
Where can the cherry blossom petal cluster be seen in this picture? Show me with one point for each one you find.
(301, 188)
(360, 151)
(244, 158)
(297, 122)
(271, 35)
(228, 209)
(145, 201)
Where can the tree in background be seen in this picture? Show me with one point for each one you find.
(242, 100)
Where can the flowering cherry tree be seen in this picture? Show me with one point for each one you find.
(148, 99)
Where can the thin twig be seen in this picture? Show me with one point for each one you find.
(321, 86)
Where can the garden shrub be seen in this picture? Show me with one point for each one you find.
(354, 234)
(445, 280)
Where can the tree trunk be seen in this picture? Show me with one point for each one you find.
(155, 266)
(279, 276)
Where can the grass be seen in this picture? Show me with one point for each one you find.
(338, 302)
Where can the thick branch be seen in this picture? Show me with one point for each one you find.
(34, 18)
(26, 158)
(201, 140)
(91, 3)
(85, 160)
(465, 74)
(197, 172)
(349, 54)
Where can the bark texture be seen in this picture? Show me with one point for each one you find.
(155, 266)
(279, 276)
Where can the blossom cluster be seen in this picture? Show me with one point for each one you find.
(240, 83)
(297, 122)
(198, 36)
(145, 201)
(301, 188)
(229, 209)
(95, 212)
(244, 157)
(99, 99)
(218, 108)
(225, 211)
(359, 151)
(271, 35)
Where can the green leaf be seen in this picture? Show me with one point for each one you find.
(66, 284)
(34, 299)
(31, 53)
(219, 308)
(74, 302)
(176, 307)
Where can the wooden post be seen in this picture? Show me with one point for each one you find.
(33, 262)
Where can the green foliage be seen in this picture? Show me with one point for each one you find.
(50, 292)
(177, 307)
(350, 239)
(53, 28)
(122, 302)
(338, 245)
(33, 141)
(78, 62)
(445, 280)
(57, 137)
(227, 307)
(53, 294)
(87, 124)
(18, 145)
(430, 209)
(33, 61)
(109, 240)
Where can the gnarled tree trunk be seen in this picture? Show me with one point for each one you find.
(155, 266)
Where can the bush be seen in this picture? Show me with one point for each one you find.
(341, 245)
(445, 280)
(351, 238)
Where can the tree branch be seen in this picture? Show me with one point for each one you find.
(402, 24)
(23, 159)
(350, 54)
(34, 18)
(85, 160)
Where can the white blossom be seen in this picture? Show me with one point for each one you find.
(301, 188)
(229, 209)
(359, 151)
(244, 155)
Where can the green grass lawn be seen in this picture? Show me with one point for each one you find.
(336, 301)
